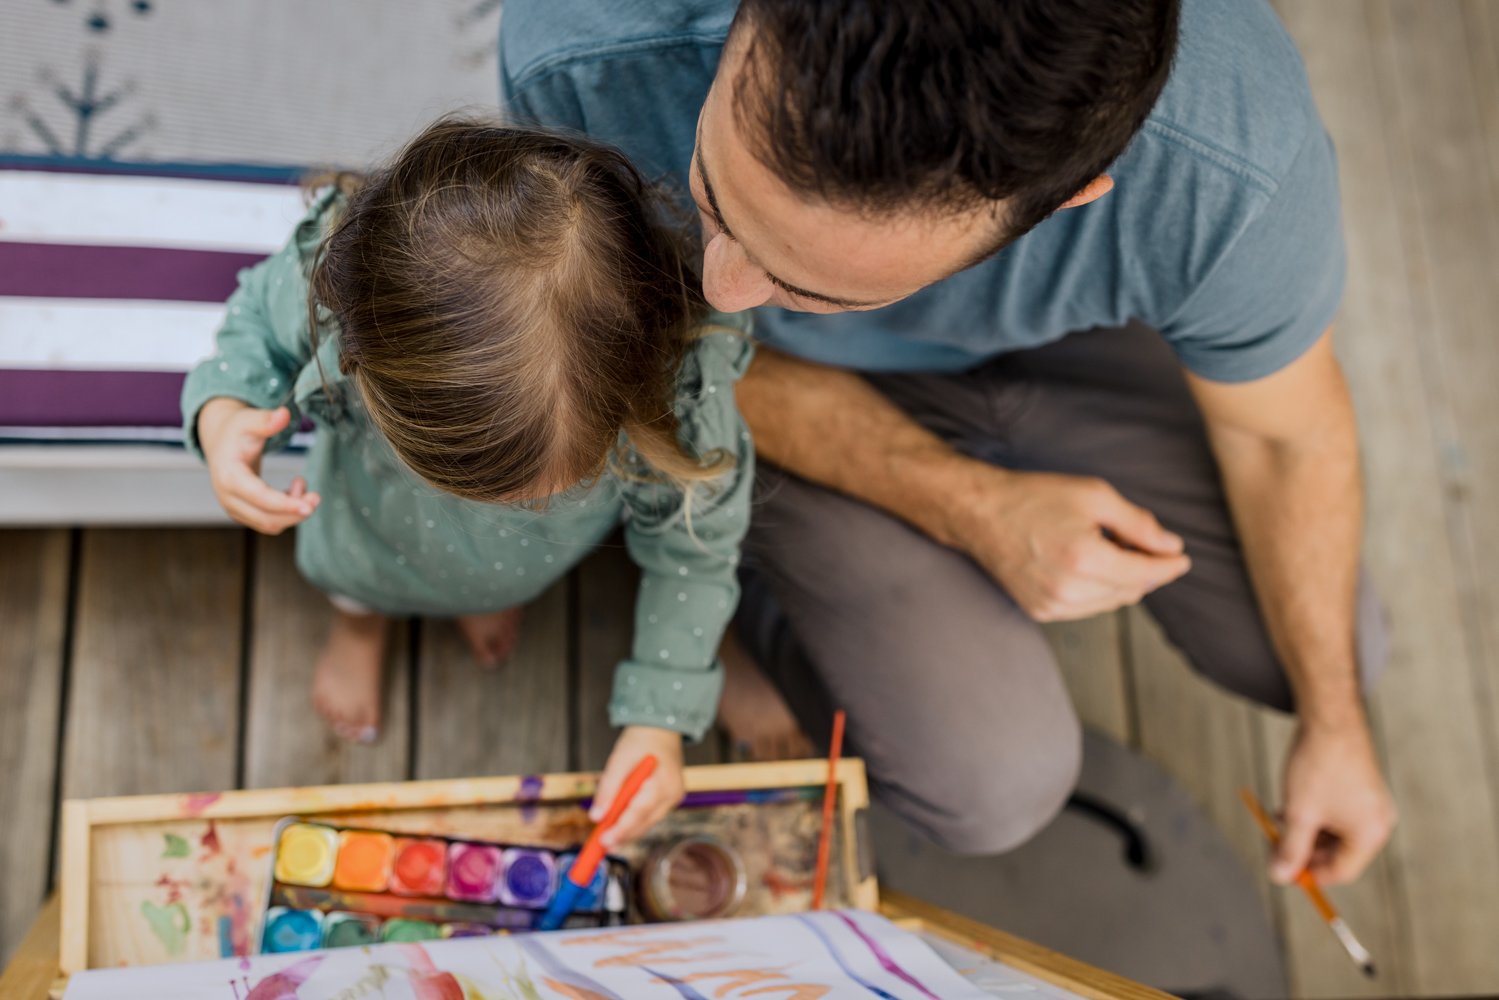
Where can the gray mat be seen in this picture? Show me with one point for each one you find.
(1188, 922)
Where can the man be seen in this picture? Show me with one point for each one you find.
(1084, 256)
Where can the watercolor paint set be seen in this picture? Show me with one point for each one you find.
(337, 886)
(190, 877)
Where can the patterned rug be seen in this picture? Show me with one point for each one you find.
(242, 81)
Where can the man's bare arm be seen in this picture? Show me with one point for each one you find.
(1040, 535)
(1287, 446)
(831, 427)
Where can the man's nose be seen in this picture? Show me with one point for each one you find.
(730, 281)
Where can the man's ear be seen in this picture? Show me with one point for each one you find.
(1097, 188)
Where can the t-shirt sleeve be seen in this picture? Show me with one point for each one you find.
(688, 554)
(1276, 287)
(547, 99)
(618, 99)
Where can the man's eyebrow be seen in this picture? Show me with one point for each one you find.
(702, 171)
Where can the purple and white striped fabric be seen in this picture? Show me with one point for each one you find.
(112, 286)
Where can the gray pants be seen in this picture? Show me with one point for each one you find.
(953, 697)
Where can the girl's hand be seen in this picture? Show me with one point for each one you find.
(657, 797)
(233, 436)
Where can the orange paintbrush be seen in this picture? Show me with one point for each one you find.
(829, 797)
(1313, 891)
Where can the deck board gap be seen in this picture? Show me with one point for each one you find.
(246, 638)
(414, 667)
(574, 667)
(64, 679)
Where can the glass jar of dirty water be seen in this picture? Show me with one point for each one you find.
(692, 878)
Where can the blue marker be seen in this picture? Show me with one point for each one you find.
(580, 875)
(590, 900)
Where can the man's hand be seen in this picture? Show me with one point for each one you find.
(657, 797)
(1338, 812)
(1063, 547)
(233, 436)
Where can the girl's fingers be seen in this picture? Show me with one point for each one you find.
(299, 491)
(648, 806)
(244, 514)
(253, 517)
(603, 795)
(256, 492)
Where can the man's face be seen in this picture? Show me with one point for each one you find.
(767, 245)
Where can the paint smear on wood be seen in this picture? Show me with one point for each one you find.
(193, 805)
(169, 924)
(176, 846)
(528, 795)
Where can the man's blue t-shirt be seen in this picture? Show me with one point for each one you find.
(1222, 230)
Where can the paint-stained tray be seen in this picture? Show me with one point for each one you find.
(148, 879)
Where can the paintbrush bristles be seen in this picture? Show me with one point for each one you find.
(1352, 945)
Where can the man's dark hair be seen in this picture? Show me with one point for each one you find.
(887, 104)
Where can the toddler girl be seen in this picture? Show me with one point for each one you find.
(504, 352)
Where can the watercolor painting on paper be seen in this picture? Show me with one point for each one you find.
(804, 957)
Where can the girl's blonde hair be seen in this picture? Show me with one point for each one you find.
(509, 300)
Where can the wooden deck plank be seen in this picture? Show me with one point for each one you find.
(33, 971)
(607, 581)
(153, 704)
(286, 743)
(1482, 24)
(1203, 737)
(510, 720)
(1431, 706)
(1092, 662)
(33, 633)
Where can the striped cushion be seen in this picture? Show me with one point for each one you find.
(112, 284)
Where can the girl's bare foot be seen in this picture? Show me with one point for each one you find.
(752, 711)
(492, 637)
(346, 685)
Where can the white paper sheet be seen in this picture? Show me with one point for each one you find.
(803, 957)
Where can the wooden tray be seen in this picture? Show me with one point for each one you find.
(174, 878)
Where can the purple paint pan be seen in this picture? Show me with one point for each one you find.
(529, 880)
(473, 870)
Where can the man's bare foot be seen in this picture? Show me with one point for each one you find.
(346, 685)
(492, 637)
(752, 711)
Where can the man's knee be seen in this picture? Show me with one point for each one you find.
(999, 796)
